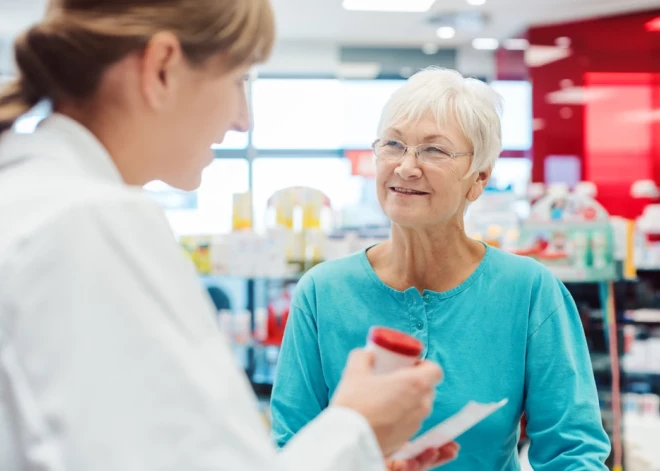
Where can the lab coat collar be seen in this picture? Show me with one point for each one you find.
(90, 154)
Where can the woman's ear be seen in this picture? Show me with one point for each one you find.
(480, 182)
(161, 63)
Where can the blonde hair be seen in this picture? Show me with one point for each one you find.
(65, 56)
(447, 96)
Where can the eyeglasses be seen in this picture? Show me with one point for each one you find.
(434, 154)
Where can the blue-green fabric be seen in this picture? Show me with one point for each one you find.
(511, 330)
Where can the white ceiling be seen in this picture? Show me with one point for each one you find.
(325, 20)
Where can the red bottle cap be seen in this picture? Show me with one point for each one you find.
(396, 341)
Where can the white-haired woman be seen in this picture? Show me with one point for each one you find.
(501, 325)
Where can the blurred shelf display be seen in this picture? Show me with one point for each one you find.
(495, 218)
(572, 235)
(643, 316)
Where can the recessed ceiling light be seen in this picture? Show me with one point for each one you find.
(446, 32)
(476, 3)
(516, 44)
(412, 6)
(485, 43)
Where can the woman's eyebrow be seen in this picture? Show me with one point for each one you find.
(433, 138)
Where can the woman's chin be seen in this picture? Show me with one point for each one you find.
(187, 182)
(408, 220)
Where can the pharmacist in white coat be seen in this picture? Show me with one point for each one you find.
(110, 359)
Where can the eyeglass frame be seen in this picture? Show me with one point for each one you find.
(406, 147)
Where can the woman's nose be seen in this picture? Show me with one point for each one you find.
(409, 166)
(241, 125)
(242, 120)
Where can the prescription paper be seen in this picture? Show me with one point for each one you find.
(450, 429)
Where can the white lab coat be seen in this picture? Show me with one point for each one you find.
(110, 358)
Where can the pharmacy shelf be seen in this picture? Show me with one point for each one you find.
(643, 316)
(262, 390)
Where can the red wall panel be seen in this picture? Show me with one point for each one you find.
(611, 74)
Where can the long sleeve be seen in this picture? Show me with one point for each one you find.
(111, 360)
(564, 421)
(299, 393)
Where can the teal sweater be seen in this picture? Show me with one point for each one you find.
(511, 330)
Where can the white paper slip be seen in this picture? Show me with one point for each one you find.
(450, 429)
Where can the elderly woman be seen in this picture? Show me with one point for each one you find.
(502, 326)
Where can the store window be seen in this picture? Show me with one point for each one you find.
(363, 103)
(233, 140)
(517, 118)
(514, 172)
(318, 113)
(208, 210)
(332, 176)
(297, 114)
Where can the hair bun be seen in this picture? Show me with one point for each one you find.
(52, 63)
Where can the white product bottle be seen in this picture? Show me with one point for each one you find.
(580, 249)
(599, 249)
(393, 349)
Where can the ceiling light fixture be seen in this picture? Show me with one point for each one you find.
(399, 6)
(487, 44)
(446, 32)
(476, 3)
(538, 56)
(516, 44)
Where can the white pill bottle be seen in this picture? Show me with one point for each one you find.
(393, 349)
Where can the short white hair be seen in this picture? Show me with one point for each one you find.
(447, 96)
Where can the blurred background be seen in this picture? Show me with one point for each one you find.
(581, 128)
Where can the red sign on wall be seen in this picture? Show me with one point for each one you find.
(362, 162)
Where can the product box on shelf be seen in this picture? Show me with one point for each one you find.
(641, 432)
(647, 242)
(240, 254)
(495, 218)
(573, 236)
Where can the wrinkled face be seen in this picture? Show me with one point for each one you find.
(418, 194)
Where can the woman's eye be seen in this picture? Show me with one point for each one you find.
(392, 144)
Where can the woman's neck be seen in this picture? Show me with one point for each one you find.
(436, 260)
(117, 135)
